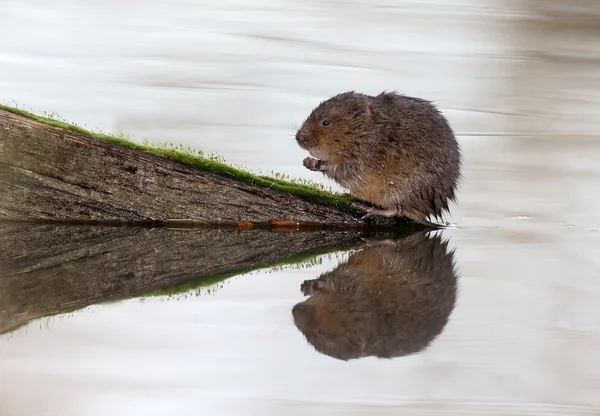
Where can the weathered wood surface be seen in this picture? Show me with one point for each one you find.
(49, 269)
(51, 173)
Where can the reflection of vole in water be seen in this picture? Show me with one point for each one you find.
(396, 152)
(387, 300)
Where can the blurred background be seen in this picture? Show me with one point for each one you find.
(519, 81)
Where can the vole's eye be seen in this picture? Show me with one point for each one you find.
(325, 123)
(320, 332)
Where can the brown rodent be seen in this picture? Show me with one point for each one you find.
(388, 300)
(396, 152)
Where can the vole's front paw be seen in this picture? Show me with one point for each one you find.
(312, 164)
(310, 287)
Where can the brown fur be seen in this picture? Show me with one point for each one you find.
(388, 300)
(391, 150)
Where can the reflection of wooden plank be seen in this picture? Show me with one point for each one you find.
(49, 269)
(52, 173)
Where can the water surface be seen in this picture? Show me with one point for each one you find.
(517, 80)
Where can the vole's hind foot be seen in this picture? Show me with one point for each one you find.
(359, 206)
(373, 211)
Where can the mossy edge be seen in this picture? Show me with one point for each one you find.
(210, 280)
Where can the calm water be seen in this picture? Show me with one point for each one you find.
(519, 82)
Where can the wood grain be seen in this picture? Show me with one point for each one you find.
(51, 173)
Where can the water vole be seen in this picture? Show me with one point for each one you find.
(388, 300)
(396, 152)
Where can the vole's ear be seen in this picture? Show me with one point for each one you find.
(365, 111)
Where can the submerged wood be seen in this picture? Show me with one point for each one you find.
(55, 174)
(50, 269)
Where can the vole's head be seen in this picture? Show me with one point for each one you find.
(336, 125)
(331, 325)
